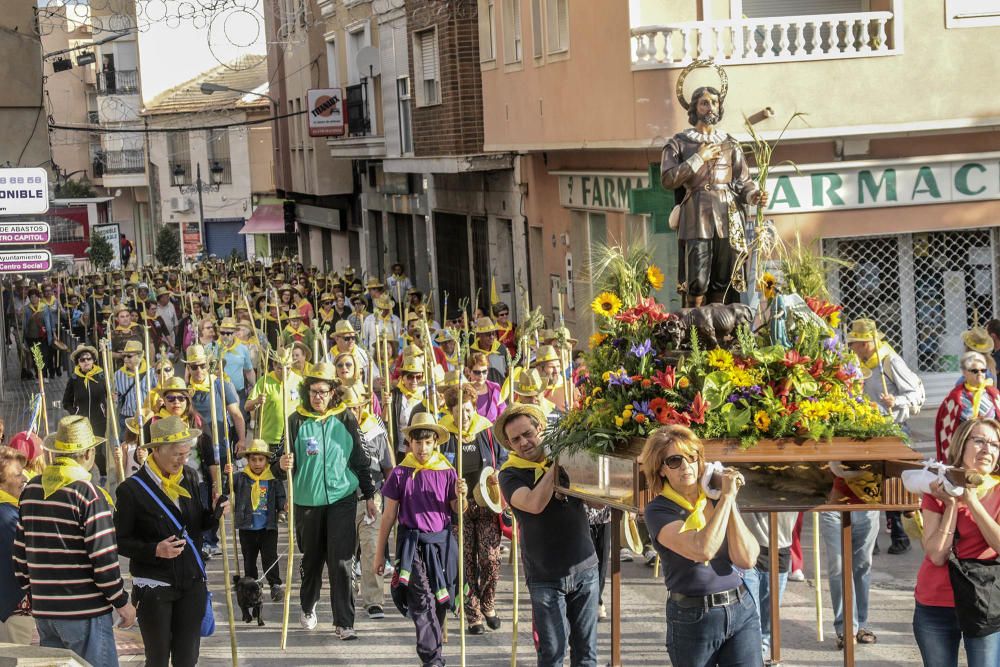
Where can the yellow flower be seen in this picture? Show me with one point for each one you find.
(596, 339)
(683, 383)
(761, 420)
(607, 304)
(834, 319)
(596, 392)
(655, 276)
(767, 284)
(721, 359)
(619, 421)
(605, 376)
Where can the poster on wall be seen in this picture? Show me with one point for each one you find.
(191, 239)
(112, 234)
(326, 112)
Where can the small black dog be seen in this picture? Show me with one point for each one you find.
(249, 597)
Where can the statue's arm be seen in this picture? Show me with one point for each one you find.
(674, 170)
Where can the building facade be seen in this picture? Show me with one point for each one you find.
(22, 109)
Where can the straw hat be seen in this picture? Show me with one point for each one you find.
(528, 383)
(385, 302)
(485, 494)
(327, 296)
(484, 325)
(228, 324)
(374, 283)
(344, 328)
(132, 347)
(121, 308)
(293, 314)
(450, 379)
(443, 336)
(132, 425)
(282, 357)
(80, 349)
(257, 446)
(516, 410)
(412, 363)
(322, 371)
(170, 431)
(425, 421)
(545, 353)
(74, 435)
(863, 331)
(355, 395)
(196, 354)
(978, 339)
(175, 385)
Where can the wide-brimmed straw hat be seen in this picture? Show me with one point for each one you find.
(132, 347)
(545, 353)
(344, 328)
(175, 385)
(322, 371)
(74, 435)
(257, 446)
(863, 331)
(484, 325)
(354, 395)
(385, 302)
(978, 339)
(80, 349)
(170, 431)
(528, 383)
(424, 421)
(196, 354)
(516, 410)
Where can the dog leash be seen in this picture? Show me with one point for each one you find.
(264, 576)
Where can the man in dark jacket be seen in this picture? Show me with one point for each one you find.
(87, 395)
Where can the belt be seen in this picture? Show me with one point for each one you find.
(716, 186)
(721, 599)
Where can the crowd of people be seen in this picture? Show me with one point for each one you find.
(285, 396)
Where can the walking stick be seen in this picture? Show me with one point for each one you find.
(105, 347)
(461, 513)
(225, 441)
(36, 352)
(819, 579)
(291, 512)
(222, 529)
(513, 557)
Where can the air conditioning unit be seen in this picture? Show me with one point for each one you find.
(180, 204)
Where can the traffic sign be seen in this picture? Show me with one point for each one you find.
(25, 261)
(24, 191)
(23, 233)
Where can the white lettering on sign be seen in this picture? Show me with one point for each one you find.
(27, 261)
(599, 191)
(24, 233)
(833, 187)
(24, 191)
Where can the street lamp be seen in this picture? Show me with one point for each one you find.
(178, 177)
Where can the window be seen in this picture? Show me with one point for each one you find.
(557, 14)
(512, 31)
(332, 75)
(426, 68)
(179, 155)
(217, 141)
(405, 121)
(537, 47)
(971, 13)
(487, 31)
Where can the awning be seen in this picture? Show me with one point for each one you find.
(266, 219)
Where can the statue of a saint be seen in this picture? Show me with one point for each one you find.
(707, 169)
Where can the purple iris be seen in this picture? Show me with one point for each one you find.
(643, 407)
(851, 369)
(830, 344)
(643, 349)
(619, 378)
(619, 343)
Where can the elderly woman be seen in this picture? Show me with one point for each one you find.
(159, 518)
(967, 526)
(489, 403)
(330, 465)
(87, 395)
(974, 397)
(711, 616)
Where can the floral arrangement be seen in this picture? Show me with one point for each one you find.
(635, 382)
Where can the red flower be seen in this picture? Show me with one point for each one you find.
(698, 408)
(647, 383)
(636, 378)
(660, 409)
(665, 378)
(793, 358)
(646, 308)
(784, 388)
(843, 375)
(817, 368)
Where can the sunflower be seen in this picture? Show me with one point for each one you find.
(833, 319)
(607, 304)
(596, 339)
(768, 285)
(655, 276)
(761, 420)
(721, 359)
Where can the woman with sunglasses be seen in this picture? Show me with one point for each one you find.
(177, 403)
(330, 467)
(711, 617)
(974, 397)
(86, 394)
(488, 401)
(208, 336)
(348, 373)
(966, 525)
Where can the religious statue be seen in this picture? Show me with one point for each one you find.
(712, 184)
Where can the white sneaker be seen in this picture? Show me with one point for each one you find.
(345, 634)
(796, 575)
(308, 619)
(602, 613)
(625, 556)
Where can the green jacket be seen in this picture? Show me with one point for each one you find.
(330, 461)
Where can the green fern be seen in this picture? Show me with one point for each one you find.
(697, 355)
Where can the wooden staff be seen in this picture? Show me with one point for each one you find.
(290, 493)
(148, 352)
(431, 382)
(222, 527)
(36, 352)
(513, 559)
(461, 508)
(878, 360)
(818, 588)
(105, 347)
(567, 396)
(225, 441)
(382, 347)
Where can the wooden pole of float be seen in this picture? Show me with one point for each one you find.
(225, 440)
(105, 350)
(461, 507)
(290, 491)
(818, 592)
(514, 558)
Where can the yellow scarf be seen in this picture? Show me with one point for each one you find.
(37, 309)
(236, 343)
(493, 350)
(515, 461)
(476, 425)
(884, 351)
(89, 376)
(367, 422)
(171, 485)
(437, 461)
(309, 414)
(325, 315)
(126, 330)
(142, 369)
(977, 396)
(300, 331)
(7, 498)
(989, 481)
(256, 491)
(65, 471)
(696, 521)
(418, 393)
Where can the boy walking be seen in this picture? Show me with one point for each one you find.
(422, 492)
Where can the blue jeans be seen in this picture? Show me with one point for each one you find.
(92, 639)
(759, 583)
(566, 606)
(864, 530)
(705, 637)
(938, 636)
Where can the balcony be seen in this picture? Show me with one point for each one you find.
(356, 104)
(769, 40)
(118, 82)
(130, 161)
(359, 141)
(93, 117)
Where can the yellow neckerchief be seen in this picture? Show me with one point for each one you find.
(696, 520)
(437, 461)
(201, 386)
(88, 377)
(325, 315)
(407, 393)
(367, 422)
(236, 343)
(51, 301)
(300, 331)
(476, 425)
(170, 485)
(330, 412)
(884, 351)
(989, 481)
(267, 316)
(303, 302)
(256, 491)
(546, 405)
(35, 310)
(502, 330)
(142, 369)
(493, 350)
(7, 498)
(127, 329)
(515, 461)
(64, 471)
(977, 395)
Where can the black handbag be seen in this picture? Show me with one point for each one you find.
(976, 585)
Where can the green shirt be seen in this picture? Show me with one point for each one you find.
(272, 426)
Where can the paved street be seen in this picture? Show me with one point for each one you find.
(389, 642)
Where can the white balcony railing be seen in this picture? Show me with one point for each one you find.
(768, 40)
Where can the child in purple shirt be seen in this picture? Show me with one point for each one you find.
(421, 493)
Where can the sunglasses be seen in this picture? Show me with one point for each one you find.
(676, 461)
(349, 339)
(130, 355)
(977, 371)
(175, 398)
(479, 373)
(415, 376)
(345, 364)
(196, 367)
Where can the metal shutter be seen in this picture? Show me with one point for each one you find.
(428, 56)
(766, 8)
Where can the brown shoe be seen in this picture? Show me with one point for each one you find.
(866, 637)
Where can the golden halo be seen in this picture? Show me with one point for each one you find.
(698, 64)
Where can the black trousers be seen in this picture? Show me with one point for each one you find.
(170, 623)
(707, 265)
(265, 544)
(327, 535)
(600, 533)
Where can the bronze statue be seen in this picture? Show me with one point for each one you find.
(713, 187)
